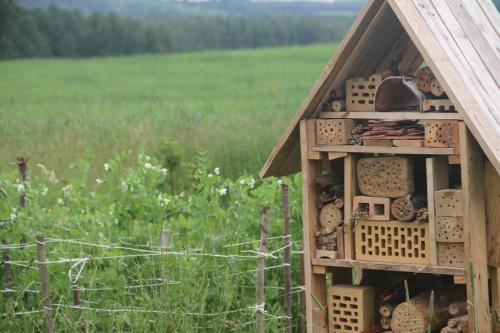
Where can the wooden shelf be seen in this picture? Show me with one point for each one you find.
(384, 266)
(396, 115)
(384, 150)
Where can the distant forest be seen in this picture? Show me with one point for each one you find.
(57, 32)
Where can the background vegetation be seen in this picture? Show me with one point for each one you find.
(56, 32)
(233, 104)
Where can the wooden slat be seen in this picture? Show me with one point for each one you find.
(396, 115)
(315, 283)
(283, 159)
(463, 49)
(475, 232)
(492, 187)
(384, 266)
(437, 179)
(459, 87)
(385, 150)
(350, 191)
(495, 296)
(491, 12)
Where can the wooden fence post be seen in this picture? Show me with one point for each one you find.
(7, 268)
(44, 280)
(287, 275)
(302, 297)
(260, 302)
(22, 164)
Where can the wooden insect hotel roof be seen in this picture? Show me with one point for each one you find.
(458, 39)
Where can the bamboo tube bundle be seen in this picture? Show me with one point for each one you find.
(424, 77)
(405, 209)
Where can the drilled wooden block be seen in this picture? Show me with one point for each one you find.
(449, 229)
(448, 202)
(438, 105)
(451, 254)
(351, 309)
(389, 176)
(333, 131)
(360, 94)
(394, 241)
(379, 209)
(441, 133)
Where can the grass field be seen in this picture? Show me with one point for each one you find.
(233, 104)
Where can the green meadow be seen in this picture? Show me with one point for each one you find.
(232, 104)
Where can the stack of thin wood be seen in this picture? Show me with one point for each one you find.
(393, 130)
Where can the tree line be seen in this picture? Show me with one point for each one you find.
(57, 32)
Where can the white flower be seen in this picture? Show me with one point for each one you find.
(217, 171)
(48, 173)
(162, 201)
(44, 191)
(210, 175)
(13, 215)
(164, 171)
(280, 182)
(251, 183)
(222, 191)
(99, 181)
(182, 194)
(148, 166)
(107, 167)
(67, 190)
(20, 188)
(243, 182)
(60, 201)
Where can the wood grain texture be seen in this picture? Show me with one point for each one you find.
(472, 162)
(315, 283)
(492, 187)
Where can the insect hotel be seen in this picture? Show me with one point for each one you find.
(399, 148)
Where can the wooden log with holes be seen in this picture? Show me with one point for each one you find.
(413, 315)
(386, 310)
(457, 325)
(404, 209)
(457, 309)
(436, 88)
(424, 77)
(338, 105)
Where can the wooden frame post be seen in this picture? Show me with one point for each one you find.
(315, 284)
(350, 190)
(476, 256)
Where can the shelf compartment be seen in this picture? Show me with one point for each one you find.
(396, 115)
(385, 266)
(383, 150)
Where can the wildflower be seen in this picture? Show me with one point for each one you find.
(48, 173)
(13, 215)
(148, 166)
(67, 190)
(217, 171)
(251, 183)
(44, 191)
(222, 191)
(162, 201)
(99, 181)
(280, 182)
(20, 188)
(243, 182)
(164, 171)
(210, 175)
(182, 194)
(107, 167)
(60, 201)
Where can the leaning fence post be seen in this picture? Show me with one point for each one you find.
(302, 297)
(44, 280)
(287, 275)
(7, 268)
(260, 302)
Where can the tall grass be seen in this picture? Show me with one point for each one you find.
(233, 104)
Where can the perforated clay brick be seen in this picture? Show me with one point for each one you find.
(451, 254)
(333, 131)
(360, 93)
(449, 229)
(388, 176)
(394, 241)
(350, 308)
